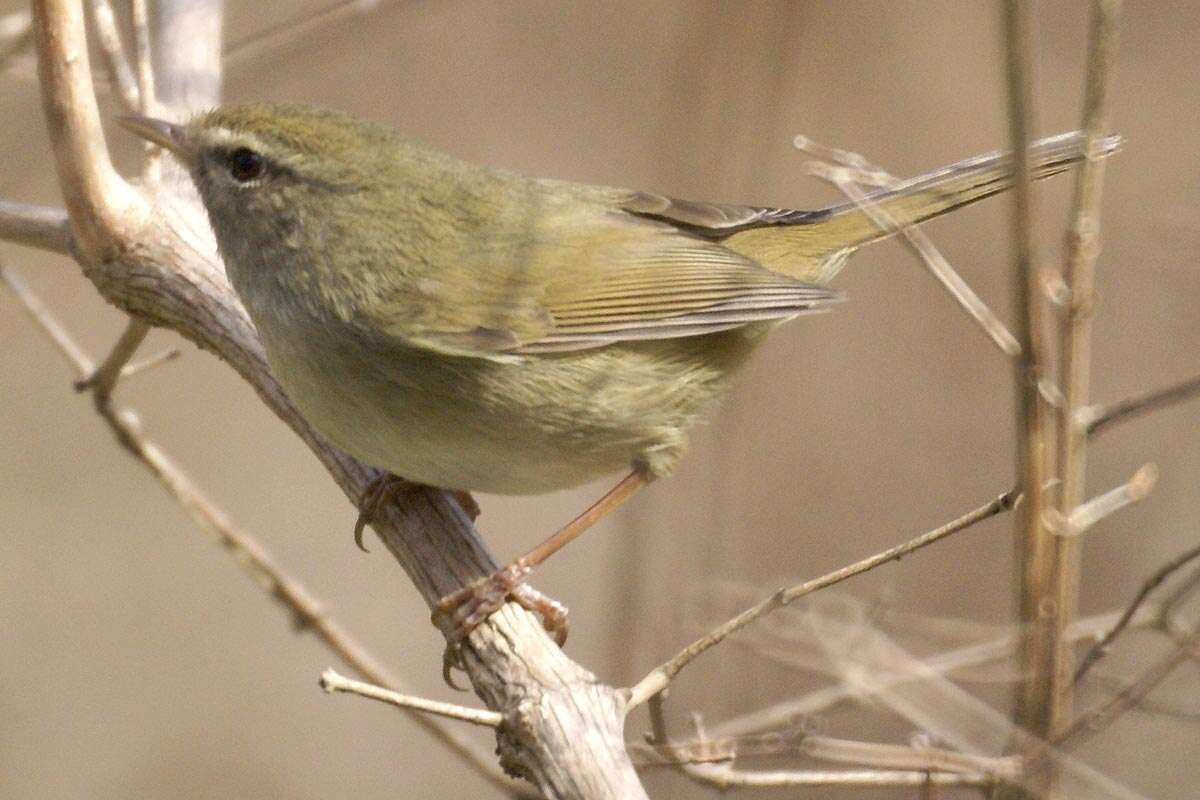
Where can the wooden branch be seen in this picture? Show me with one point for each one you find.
(1104, 643)
(155, 258)
(1099, 718)
(332, 682)
(101, 205)
(1075, 326)
(661, 676)
(1096, 419)
(1035, 447)
(35, 226)
(147, 92)
(120, 74)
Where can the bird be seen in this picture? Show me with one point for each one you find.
(469, 328)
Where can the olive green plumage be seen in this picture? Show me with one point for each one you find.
(470, 328)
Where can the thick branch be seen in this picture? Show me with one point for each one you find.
(98, 200)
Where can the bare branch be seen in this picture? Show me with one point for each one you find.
(104, 379)
(1096, 720)
(724, 777)
(332, 682)
(1035, 447)
(662, 675)
(35, 226)
(101, 205)
(1104, 644)
(138, 367)
(104, 22)
(1097, 418)
(1075, 331)
(147, 100)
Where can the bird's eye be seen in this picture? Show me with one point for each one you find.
(246, 165)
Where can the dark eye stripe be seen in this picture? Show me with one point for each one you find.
(246, 165)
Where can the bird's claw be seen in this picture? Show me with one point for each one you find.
(459, 613)
(386, 487)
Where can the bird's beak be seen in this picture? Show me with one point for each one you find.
(165, 134)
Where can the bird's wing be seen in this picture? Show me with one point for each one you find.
(586, 280)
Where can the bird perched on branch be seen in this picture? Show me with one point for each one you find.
(473, 329)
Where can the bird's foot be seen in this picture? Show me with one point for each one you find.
(459, 613)
(387, 487)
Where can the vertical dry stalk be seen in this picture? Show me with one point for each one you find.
(1053, 445)
(1033, 413)
(1083, 245)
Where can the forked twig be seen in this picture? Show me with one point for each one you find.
(1104, 644)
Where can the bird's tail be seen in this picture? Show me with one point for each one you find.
(845, 227)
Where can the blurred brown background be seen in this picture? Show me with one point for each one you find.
(136, 661)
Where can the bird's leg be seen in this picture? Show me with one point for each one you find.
(457, 614)
(387, 487)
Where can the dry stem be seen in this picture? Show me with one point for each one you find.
(332, 682)
(661, 676)
(1097, 418)
(104, 22)
(1083, 247)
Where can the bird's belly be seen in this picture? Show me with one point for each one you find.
(545, 424)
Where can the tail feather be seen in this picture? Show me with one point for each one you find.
(819, 243)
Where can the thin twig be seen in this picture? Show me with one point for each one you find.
(247, 552)
(695, 759)
(104, 379)
(297, 27)
(1097, 418)
(104, 22)
(1075, 352)
(723, 776)
(662, 675)
(35, 226)
(1181, 593)
(147, 100)
(332, 682)
(927, 253)
(1104, 644)
(1099, 718)
(138, 367)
